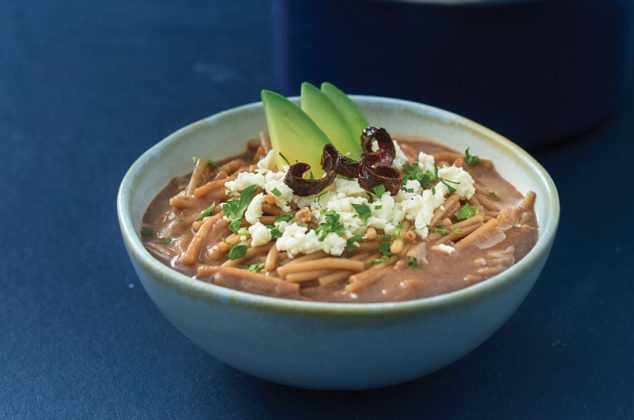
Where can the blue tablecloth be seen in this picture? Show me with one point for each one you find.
(86, 87)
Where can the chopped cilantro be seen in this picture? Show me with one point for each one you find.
(467, 211)
(379, 190)
(166, 240)
(399, 226)
(440, 230)
(207, 212)
(237, 252)
(412, 261)
(275, 231)
(283, 217)
(211, 163)
(492, 193)
(379, 260)
(243, 231)
(378, 207)
(471, 159)
(457, 231)
(384, 247)
(414, 172)
(276, 192)
(312, 175)
(354, 238)
(147, 232)
(256, 268)
(228, 192)
(370, 197)
(363, 210)
(449, 187)
(331, 225)
(234, 209)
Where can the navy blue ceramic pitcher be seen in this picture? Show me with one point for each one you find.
(536, 71)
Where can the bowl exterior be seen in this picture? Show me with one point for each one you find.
(325, 345)
(328, 351)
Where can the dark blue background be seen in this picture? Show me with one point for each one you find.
(86, 87)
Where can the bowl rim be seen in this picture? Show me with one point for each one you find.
(211, 293)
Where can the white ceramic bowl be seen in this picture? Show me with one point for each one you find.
(330, 345)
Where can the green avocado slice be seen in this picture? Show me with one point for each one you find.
(354, 117)
(294, 136)
(318, 107)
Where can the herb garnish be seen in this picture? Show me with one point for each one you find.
(466, 212)
(471, 159)
(275, 231)
(414, 172)
(147, 232)
(207, 212)
(379, 260)
(363, 210)
(379, 190)
(211, 163)
(354, 238)
(384, 246)
(237, 252)
(256, 267)
(457, 231)
(412, 261)
(276, 192)
(331, 225)
(283, 217)
(284, 157)
(439, 230)
(234, 209)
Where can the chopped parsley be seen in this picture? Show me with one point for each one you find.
(275, 231)
(256, 268)
(378, 207)
(379, 190)
(354, 238)
(449, 187)
(207, 212)
(331, 225)
(211, 163)
(234, 209)
(440, 230)
(166, 240)
(399, 226)
(147, 232)
(379, 260)
(414, 172)
(466, 212)
(384, 246)
(237, 252)
(283, 217)
(492, 193)
(471, 159)
(276, 192)
(457, 231)
(243, 231)
(412, 261)
(363, 210)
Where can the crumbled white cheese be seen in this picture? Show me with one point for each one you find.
(267, 163)
(260, 234)
(399, 158)
(412, 203)
(462, 181)
(426, 162)
(254, 211)
(444, 248)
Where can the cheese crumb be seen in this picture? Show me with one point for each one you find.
(254, 211)
(260, 234)
(444, 248)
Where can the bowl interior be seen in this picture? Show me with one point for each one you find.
(226, 133)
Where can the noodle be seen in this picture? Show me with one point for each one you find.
(210, 186)
(197, 175)
(486, 230)
(271, 259)
(283, 286)
(193, 250)
(321, 264)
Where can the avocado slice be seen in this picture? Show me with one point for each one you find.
(294, 136)
(329, 119)
(354, 117)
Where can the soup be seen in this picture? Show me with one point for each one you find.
(452, 222)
